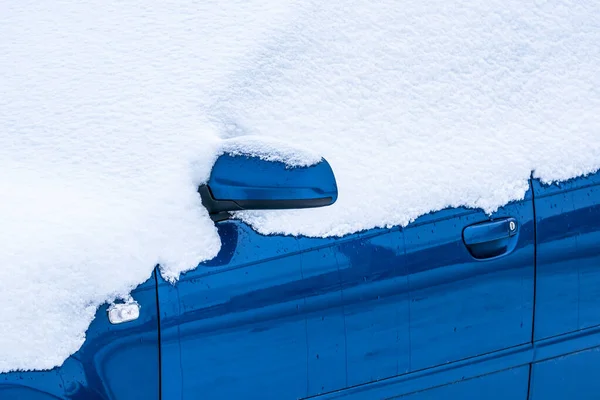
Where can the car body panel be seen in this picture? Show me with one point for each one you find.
(568, 288)
(322, 315)
(508, 384)
(387, 313)
(568, 256)
(462, 307)
(573, 376)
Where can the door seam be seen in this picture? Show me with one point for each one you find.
(158, 337)
(535, 256)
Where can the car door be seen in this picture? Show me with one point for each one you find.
(466, 329)
(567, 312)
(377, 314)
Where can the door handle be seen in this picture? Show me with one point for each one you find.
(491, 239)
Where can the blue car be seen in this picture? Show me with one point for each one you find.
(458, 304)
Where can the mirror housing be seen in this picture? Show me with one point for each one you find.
(240, 182)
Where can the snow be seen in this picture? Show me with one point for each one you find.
(426, 105)
(111, 114)
(270, 149)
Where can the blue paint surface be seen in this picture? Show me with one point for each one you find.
(409, 313)
(508, 384)
(574, 376)
(325, 314)
(568, 257)
(250, 178)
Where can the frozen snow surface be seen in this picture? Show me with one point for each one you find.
(111, 114)
(270, 149)
(420, 105)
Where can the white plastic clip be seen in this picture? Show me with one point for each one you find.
(124, 312)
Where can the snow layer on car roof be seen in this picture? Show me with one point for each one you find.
(112, 113)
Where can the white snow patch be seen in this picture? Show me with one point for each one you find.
(270, 149)
(103, 142)
(111, 113)
(424, 105)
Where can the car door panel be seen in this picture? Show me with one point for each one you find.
(283, 317)
(573, 376)
(568, 256)
(461, 307)
(567, 314)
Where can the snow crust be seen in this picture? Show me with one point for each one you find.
(270, 149)
(104, 138)
(423, 105)
(112, 113)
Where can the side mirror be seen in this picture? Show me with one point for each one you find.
(250, 183)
